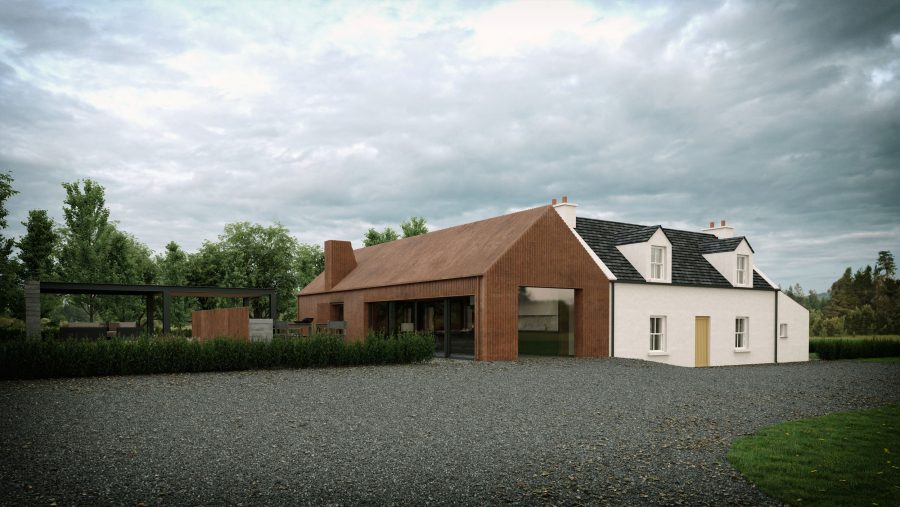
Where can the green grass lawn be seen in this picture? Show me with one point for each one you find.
(850, 458)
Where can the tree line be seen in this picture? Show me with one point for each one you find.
(863, 302)
(89, 247)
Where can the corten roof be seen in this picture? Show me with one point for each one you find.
(456, 252)
(689, 267)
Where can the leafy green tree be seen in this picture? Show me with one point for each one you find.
(413, 227)
(374, 237)
(173, 270)
(11, 297)
(85, 238)
(252, 255)
(311, 262)
(37, 247)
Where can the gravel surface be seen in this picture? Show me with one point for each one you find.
(542, 431)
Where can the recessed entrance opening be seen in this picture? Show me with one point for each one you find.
(546, 321)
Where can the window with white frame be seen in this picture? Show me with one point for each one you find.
(742, 333)
(657, 334)
(657, 262)
(743, 261)
(782, 330)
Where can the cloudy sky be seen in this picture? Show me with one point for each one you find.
(781, 117)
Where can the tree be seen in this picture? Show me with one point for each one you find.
(85, 238)
(37, 246)
(374, 237)
(310, 263)
(885, 267)
(251, 255)
(413, 227)
(172, 267)
(11, 297)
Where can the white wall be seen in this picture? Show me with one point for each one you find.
(636, 303)
(796, 346)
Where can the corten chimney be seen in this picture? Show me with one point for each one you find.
(339, 261)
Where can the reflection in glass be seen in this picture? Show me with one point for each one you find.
(431, 320)
(546, 321)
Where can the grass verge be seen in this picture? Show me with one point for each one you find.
(849, 458)
(889, 360)
(21, 359)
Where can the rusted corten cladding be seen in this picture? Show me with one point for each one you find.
(490, 260)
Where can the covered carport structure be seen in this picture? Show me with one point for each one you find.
(150, 293)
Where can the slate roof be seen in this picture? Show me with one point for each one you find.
(689, 267)
(722, 245)
(638, 235)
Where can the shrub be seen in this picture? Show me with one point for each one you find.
(78, 358)
(836, 348)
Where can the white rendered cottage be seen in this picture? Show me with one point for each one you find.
(691, 298)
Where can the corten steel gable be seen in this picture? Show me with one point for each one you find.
(547, 255)
(489, 260)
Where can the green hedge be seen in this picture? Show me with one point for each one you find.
(81, 358)
(837, 348)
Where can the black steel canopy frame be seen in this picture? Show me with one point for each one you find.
(33, 290)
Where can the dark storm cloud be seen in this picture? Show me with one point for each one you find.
(781, 117)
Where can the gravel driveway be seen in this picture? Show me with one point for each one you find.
(540, 431)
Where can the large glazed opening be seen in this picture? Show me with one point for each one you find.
(546, 321)
(450, 320)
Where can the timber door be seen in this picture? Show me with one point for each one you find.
(701, 341)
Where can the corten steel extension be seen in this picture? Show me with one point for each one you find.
(33, 291)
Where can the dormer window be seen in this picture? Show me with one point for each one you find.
(658, 263)
(741, 277)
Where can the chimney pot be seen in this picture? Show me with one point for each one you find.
(712, 225)
(723, 223)
(565, 198)
(553, 201)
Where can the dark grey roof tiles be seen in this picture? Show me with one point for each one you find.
(716, 245)
(689, 267)
(636, 236)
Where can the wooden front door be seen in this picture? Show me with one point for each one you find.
(701, 341)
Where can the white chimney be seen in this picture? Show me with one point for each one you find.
(722, 231)
(566, 210)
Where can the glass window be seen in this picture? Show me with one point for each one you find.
(378, 317)
(430, 319)
(546, 321)
(657, 262)
(404, 317)
(657, 334)
(741, 328)
(782, 330)
(742, 262)
(461, 326)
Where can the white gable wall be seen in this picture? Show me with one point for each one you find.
(796, 346)
(726, 263)
(636, 303)
(638, 254)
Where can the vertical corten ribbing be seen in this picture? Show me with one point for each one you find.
(547, 255)
(339, 261)
(230, 322)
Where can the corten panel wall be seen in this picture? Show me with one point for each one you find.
(314, 305)
(231, 322)
(547, 255)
